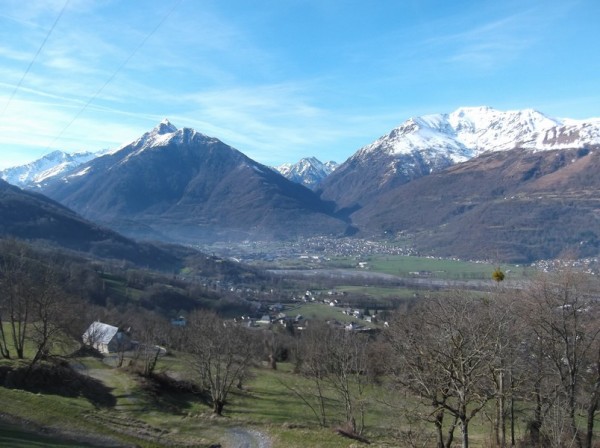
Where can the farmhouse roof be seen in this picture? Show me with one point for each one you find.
(100, 333)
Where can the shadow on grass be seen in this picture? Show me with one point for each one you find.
(56, 378)
(174, 395)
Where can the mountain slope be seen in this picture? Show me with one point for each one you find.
(182, 185)
(429, 144)
(308, 171)
(32, 216)
(507, 205)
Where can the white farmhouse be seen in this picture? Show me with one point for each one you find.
(105, 338)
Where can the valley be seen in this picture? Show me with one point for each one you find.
(298, 224)
(238, 307)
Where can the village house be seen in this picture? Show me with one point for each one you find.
(265, 319)
(179, 321)
(106, 338)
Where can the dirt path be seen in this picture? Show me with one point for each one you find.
(247, 438)
(122, 388)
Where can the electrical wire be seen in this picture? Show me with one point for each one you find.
(18, 86)
(115, 73)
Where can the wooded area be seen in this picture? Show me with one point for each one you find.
(528, 359)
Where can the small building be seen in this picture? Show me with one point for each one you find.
(179, 321)
(106, 338)
(266, 319)
(352, 326)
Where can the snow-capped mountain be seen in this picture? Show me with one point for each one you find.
(308, 171)
(471, 131)
(43, 169)
(183, 185)
(430, 143)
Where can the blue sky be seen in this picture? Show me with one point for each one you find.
(281, 79)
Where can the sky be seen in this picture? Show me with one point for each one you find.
(281, 79)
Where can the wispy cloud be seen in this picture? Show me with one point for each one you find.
(485, 41)
(485, 46)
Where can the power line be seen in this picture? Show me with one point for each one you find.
(18, 86)
(115, 73)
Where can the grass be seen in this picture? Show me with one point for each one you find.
(438, 268)
(322, 311)
(18, 437)
(118, 287)
(379, 292)
(267, 402)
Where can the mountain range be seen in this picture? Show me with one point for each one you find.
(475, 183)
(181, 185)
(431, 143)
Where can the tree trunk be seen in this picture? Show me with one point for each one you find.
(573, 422)
(451, 433)
(4, 352)
(272, 361)
(512, 409)
(535, 425)
(464, 424)
(589, 436)
(218, 406)
(502, 410)
(439, 420)
(500, 420)
(592, 408)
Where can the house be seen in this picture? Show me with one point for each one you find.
(106, 338)
(352, 326)
(179, 321)
(266, 319)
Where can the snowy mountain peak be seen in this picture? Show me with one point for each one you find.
(308, 171)
(40, 170)
(470, 131)
(165, 127)
(158, 136)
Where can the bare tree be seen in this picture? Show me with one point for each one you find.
(16, 293)
(337, 363)
(446, 352)
(347, 373)
(592, 380)
(49, 307)
(311, 360)
(564, 318)
(221, 354)
(150, 330)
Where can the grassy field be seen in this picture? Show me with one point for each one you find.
(378, 292)
(269, 401)
(318, 311)
(405, 266)
(17, 436)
